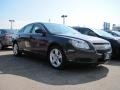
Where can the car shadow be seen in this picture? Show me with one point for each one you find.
(6, 49)
(38, 69)
(115, 62)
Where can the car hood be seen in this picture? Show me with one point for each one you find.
(90, 39)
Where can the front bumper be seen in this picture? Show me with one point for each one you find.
(88, 56)
(116, 51)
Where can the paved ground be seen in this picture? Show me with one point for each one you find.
(34, 73)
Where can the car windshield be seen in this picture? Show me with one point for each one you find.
(117, 32)
(103, 33)
(60, 29)
(113, 33)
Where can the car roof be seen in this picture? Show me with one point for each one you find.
(77, 27)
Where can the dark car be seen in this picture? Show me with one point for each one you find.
(114, 40)
(61, 44)
(117, 32)
(114, 33)
(5, 38)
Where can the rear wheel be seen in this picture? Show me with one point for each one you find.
(16, 50)
(56, 57)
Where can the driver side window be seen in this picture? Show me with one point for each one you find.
(36, 27)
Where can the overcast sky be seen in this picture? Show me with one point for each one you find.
(89, 13)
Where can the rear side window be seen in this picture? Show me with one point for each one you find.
(26, 29)
(21, 30)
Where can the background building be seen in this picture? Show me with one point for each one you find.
(106, 26)
(115, 27)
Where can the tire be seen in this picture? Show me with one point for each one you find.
(1, 46)
(56, 57)
(16, 50)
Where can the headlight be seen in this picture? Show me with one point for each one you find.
(80, 44)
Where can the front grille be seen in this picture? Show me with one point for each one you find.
(102, 46)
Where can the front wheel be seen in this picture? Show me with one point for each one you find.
(16, 50)
(56, 57)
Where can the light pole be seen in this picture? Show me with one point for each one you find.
(11, 23)
(63, 16)
(49, 20)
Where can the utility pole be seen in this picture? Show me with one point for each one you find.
(63, 16)
(11, 23)
(49, 20)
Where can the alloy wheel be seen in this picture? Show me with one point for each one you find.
(56, 57)
(15, 49)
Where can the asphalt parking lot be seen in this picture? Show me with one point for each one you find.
(31, 72)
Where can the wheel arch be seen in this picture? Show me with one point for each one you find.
(54, 44)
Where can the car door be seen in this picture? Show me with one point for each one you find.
(24, 37)
(38, 41)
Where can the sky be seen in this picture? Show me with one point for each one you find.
(88, 13)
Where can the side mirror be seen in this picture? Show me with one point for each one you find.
(40, 32)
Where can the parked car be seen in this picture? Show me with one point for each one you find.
(5, 38)
(117, 32)
(115, 41)
(114, 33)
(61, 44)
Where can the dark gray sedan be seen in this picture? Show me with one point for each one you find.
(61, 44)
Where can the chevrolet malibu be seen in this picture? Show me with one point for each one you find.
(61, 44)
